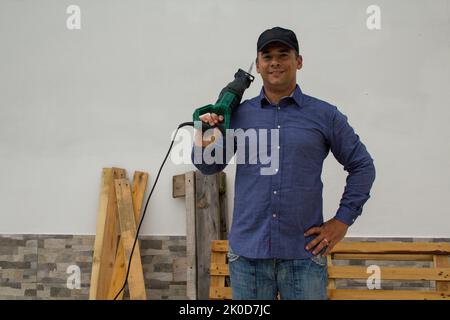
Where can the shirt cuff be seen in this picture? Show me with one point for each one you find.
(346, 215)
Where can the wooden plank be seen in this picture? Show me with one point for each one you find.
(388, 273)
(387, 257)
(136, 284)
(341, 294)
(223, 206)
(191, 277)
(106, 183)
(207, 227)
(218, 259)
(219, 245)
(119, 271)
(109, 241)
(178, 186)
(331, 282)
(442, 262)
(219, 269)
(392, 247)
(220, 293)
(138, 192)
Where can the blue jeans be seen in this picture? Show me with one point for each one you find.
(263, 279)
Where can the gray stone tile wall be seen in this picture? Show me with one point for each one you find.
(36, 266)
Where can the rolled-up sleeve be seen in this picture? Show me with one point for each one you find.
(349, 151)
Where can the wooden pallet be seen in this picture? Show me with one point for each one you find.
(436, 253)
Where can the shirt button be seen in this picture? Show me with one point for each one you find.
(278, 108)
(278, 147)
(274, 215)
(276, 170)
(275, 192)
(279, 126)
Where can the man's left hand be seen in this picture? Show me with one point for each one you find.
(329, 234)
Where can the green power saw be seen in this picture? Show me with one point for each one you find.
(229, 99)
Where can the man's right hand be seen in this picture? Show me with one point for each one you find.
(211, 118)
(205, 140)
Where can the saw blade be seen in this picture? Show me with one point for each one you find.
(250, 69)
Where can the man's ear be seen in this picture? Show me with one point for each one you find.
(299, 62)
(257, 65)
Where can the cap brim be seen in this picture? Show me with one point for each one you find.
(276, 40)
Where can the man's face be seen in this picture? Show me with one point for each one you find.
(278, 65)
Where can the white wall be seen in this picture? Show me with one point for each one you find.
(110, 94)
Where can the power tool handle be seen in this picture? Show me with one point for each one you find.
(207, 126)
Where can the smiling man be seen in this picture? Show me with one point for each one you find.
(278, 239)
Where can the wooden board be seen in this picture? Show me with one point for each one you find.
(138, 192)
(218, 271)
(389, 273)
(392, 247)
(119, 271)
(331, 281)
(223, 206)
(219, 245)
(442, 261)
(106, 183)
(207, 227)
(218, 268)
(105, 247)
(136, 284)
(386, 257)
(386, 295)
(220, 293)
(191, 251)
(178, 186)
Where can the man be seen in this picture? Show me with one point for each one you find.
(278, 241)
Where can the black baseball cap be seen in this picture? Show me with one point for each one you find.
(277, 34)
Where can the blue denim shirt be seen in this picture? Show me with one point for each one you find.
(272, 211)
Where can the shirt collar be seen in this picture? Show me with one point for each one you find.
(297, 96)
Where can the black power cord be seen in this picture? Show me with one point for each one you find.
(184, 124)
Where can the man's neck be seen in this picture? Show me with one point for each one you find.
(275, 95)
